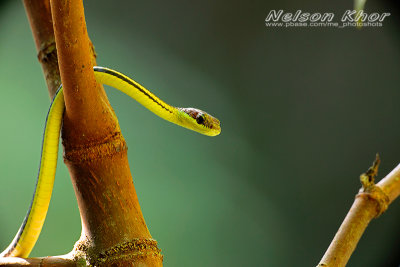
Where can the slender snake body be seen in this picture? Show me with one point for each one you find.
(191, 118)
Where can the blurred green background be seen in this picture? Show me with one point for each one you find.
(303, 112)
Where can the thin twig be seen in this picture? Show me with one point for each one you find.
(371, 201)
(59, 261)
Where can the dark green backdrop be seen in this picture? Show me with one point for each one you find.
(303, 113)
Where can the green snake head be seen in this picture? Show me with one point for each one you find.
(199, 121)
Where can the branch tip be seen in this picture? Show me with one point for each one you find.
(367, 179)
(371, 191)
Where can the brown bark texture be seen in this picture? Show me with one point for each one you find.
(39, 16)
(113, 228)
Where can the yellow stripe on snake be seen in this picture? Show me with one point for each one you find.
(191, 118)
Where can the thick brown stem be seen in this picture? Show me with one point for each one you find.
(41, 22)
(113, 229)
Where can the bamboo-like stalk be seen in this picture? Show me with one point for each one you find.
(39, 16)
(113, 228)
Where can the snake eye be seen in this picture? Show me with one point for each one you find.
(200, 119)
